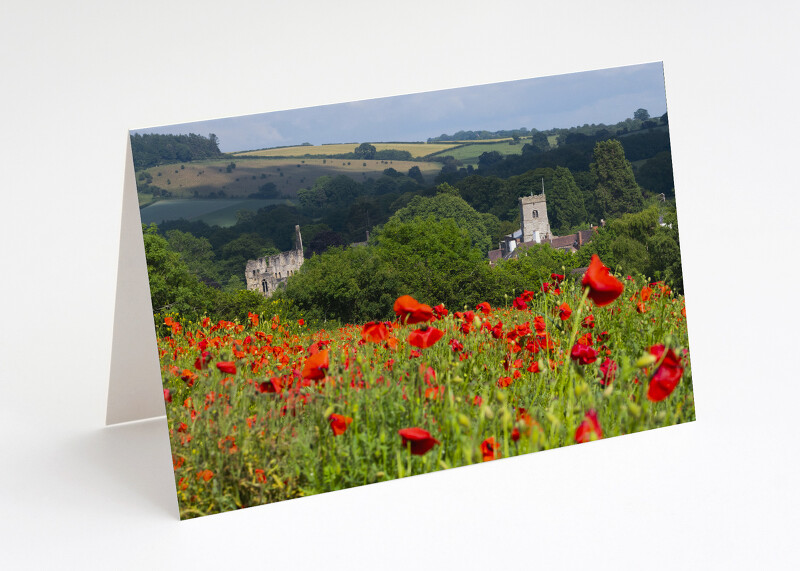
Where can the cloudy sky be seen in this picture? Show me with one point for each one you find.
(602, 96)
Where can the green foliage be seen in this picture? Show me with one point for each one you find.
(416, 174)
(641, 114)
(637, 244)
(196, 253)
(174, 288)
(447, 205)
(532, 266)
(656, 175)
(565, 207)
(617, 191)
(434, 259)
(364, 151)
(344, 284)
(152, 149)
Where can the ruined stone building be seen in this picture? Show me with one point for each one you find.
(270, 272)
(535, 229)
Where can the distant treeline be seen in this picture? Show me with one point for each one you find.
(152, 149)
(480, 135)
(641, 120)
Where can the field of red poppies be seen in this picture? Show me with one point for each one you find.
(269, 410)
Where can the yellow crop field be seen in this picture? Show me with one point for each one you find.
(416, 149)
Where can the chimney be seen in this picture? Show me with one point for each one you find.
(367, 235)
(580, 239)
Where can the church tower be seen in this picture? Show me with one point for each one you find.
(533, 218)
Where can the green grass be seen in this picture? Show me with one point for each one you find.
(469, 153)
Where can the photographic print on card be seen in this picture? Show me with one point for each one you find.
(358, 292)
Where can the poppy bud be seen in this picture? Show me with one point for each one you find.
(634, 409)
(646, 360)
(487, 412)
(463, 420)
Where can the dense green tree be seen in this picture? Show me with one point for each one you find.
(196, 253)
(617, 191)
(641, 114)
(416, 174)
(656, 175)
(344, 284)
(565, 207)
(446, 205)
(364, 151)
(434, 261)
(325, 240)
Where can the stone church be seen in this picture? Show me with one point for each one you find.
(269, 273)
(535, 229)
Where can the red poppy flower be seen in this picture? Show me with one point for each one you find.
(520, 303)
(588, 322)
(558, 278)
(339, 423)
(425, 337)
(546, 287)
(435, 392)
(410, 311)
(490, 449)
(271, 386)
(503, 382)
(316, 366)
(440, 311)
(167, 395)
(527, 295)
(419, 440)
(564, 311)
(589, 429)
(206, 475)
(539, 325)
(603, 287)
(374, 332)
(202, 360)
(456, 345)
(583, 354)
(609, 370)
(667, 376)
(253, 318)
(301, 322)
(227, 367)
(484, 308)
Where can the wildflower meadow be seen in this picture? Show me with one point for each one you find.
(272, 409)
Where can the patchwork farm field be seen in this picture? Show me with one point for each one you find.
(221, 212)
(201, 178)
(469, 153)
(416, 149)
(274, 408)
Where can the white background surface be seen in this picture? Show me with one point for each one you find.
(720, 492)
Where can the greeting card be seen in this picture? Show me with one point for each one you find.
(342, 295)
